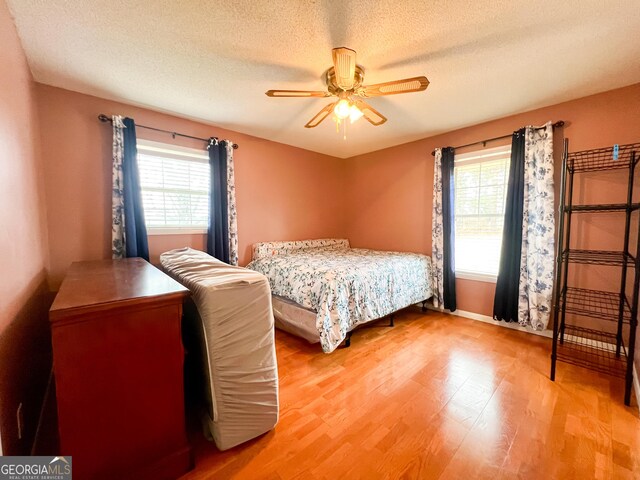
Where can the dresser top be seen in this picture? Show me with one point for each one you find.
(97, 285)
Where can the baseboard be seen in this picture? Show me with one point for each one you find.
(487, 319)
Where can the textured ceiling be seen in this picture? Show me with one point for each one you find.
(213, 61)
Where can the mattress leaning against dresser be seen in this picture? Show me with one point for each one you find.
(344, 286)
(239, 358)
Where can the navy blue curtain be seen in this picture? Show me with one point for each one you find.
(218, 231)
(449, 230)
(505, 302)
(136, 242)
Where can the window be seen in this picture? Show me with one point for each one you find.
(480, 194)
(175, 188)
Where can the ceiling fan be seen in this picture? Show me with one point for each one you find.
(344, 80)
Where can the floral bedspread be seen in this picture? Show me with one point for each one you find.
(347, 286)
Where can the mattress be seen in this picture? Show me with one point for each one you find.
(233, 305)
(344, 286)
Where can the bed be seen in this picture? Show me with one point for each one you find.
(323, 289)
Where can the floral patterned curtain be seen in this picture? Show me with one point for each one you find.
(538, 229)
(231, 206)
(117, 191)
(128, 229)
(437, 247)
(443, 231)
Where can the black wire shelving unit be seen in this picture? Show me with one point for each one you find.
(602, 350)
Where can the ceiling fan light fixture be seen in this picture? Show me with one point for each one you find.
(355, 113)
(342, 109)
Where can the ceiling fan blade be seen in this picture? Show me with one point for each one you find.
(371, 114)
(296, 93)
(407, 85)
(344, 63)
(320, 116)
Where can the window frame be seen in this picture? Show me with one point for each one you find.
(470, 158)
(175, 152)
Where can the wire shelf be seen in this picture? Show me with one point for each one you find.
(602, 158)
(611, 207)
(596, 303)
(592, 349)
(597, 257)
(596, 348)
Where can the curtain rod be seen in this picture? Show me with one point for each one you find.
(558, 124)
(103, 118)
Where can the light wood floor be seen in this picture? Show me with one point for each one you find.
(436, 396)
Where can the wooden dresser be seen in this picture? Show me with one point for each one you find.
(118, 366)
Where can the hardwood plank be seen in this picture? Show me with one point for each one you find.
(435, 397)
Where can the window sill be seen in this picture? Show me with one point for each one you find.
(176, 231)
(478, 277)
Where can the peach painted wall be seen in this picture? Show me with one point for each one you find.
(24, 338)
(282, 192)
(390, 191)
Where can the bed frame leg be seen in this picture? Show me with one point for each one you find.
(347, 341)
(391, 320)
(424, 305)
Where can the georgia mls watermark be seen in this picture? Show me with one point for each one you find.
(35, 468)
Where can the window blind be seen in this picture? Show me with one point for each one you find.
(480, 182)
(175, 187)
